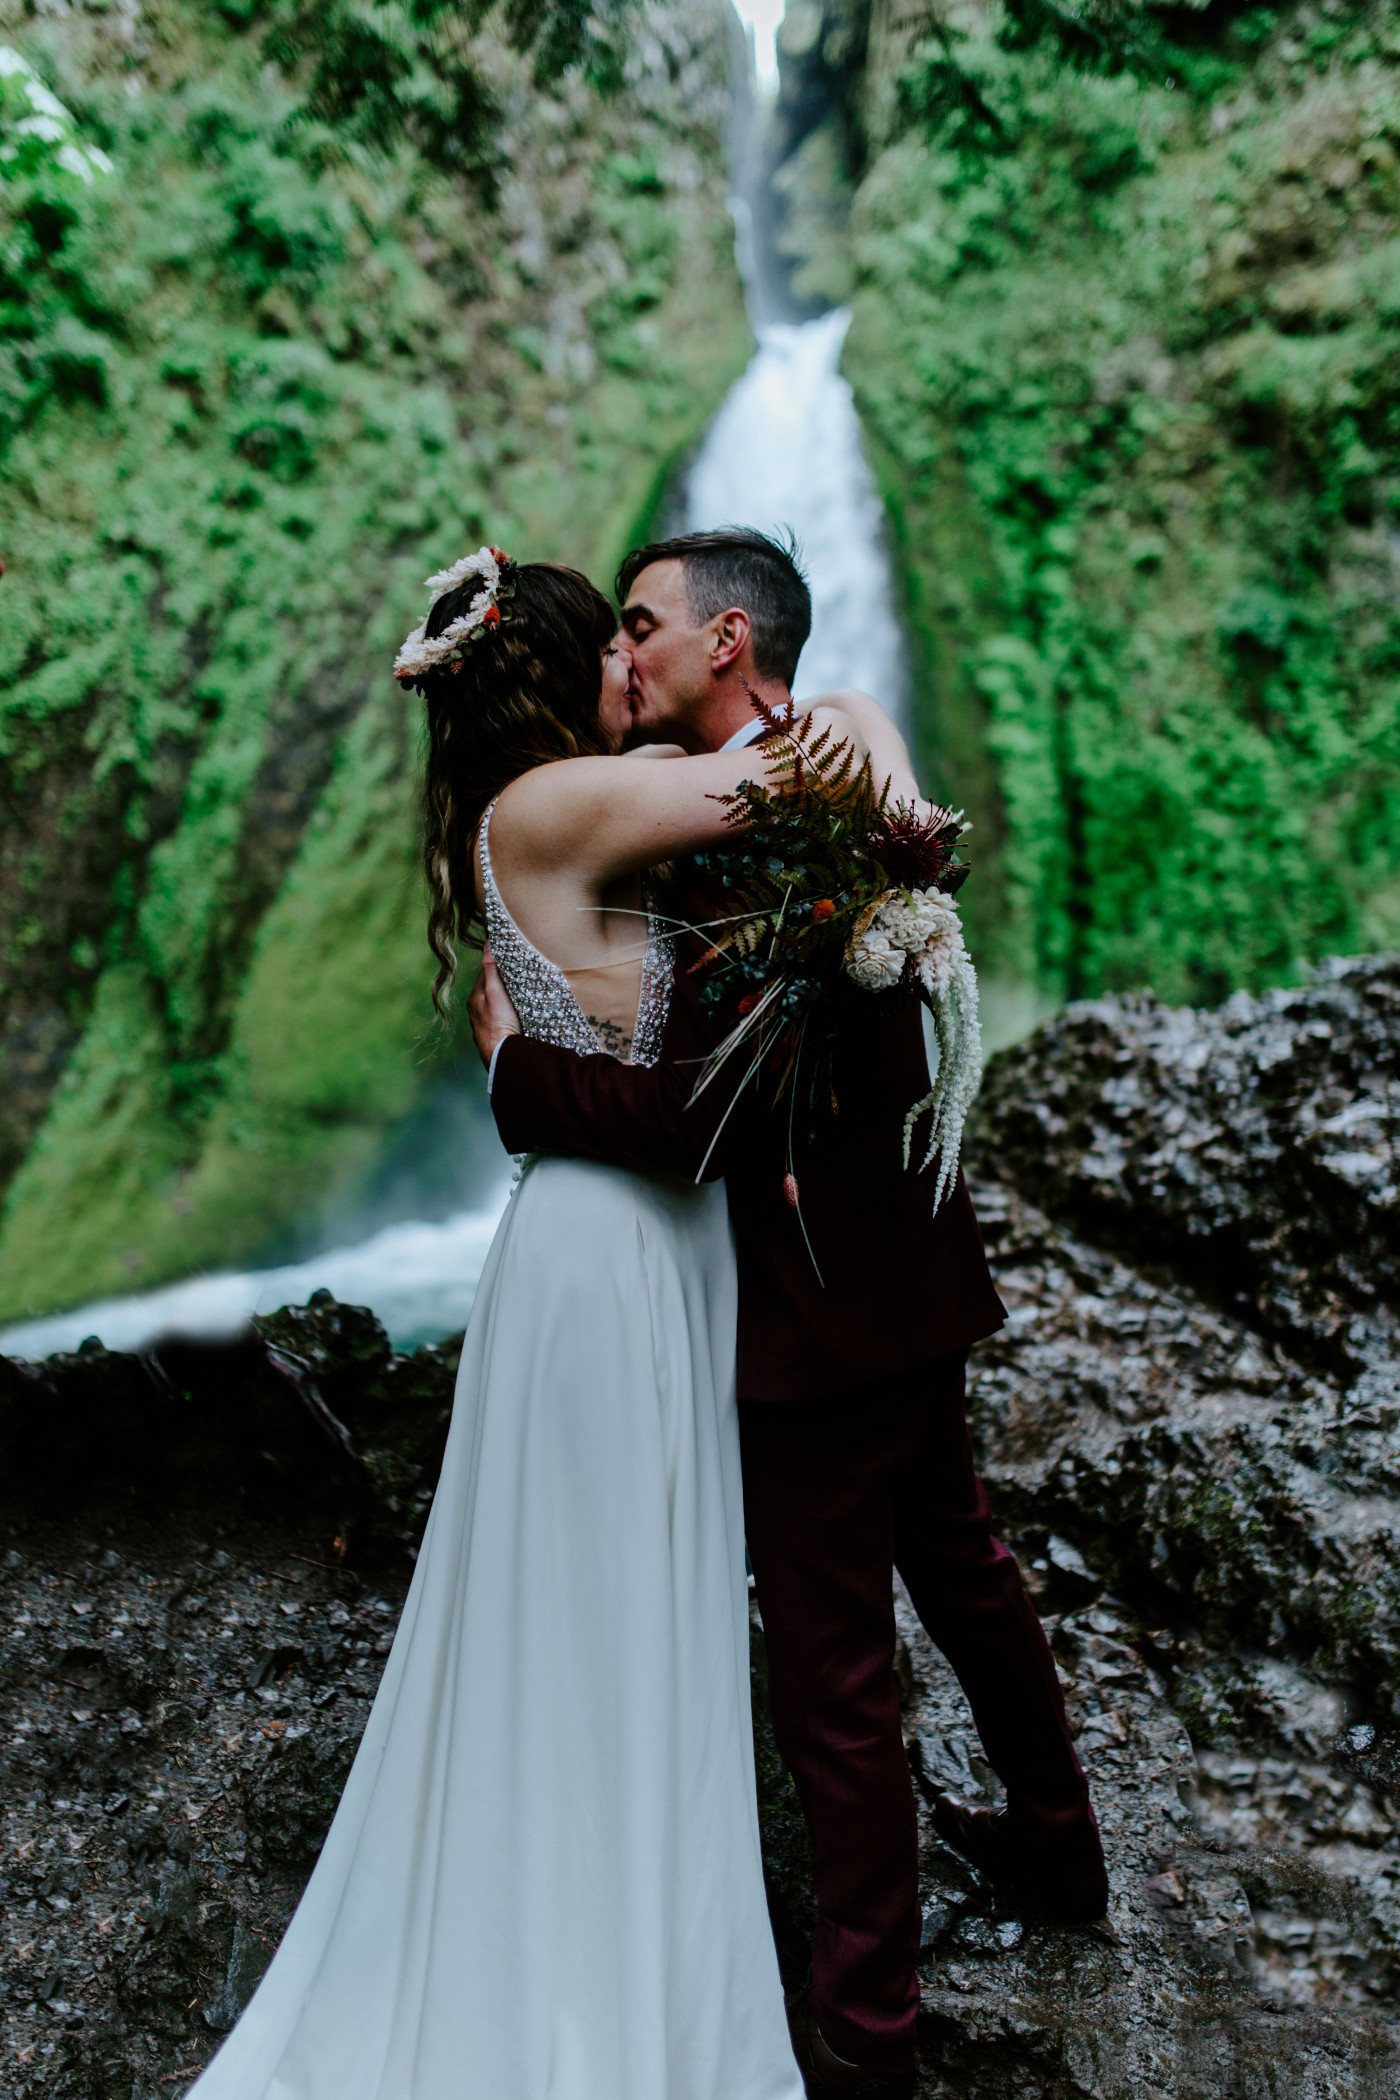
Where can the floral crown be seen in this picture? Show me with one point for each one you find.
(483, 616)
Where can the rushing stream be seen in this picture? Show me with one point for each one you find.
(784, 449)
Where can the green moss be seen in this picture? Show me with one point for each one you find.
(1124, 347)
(108, 1154)
(262, 381)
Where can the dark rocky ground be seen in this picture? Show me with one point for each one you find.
(1191, 1426)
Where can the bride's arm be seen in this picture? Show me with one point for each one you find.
(609, 816)
(889, 754)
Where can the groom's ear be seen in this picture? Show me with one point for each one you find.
(730, 636)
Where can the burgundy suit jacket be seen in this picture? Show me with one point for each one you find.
(885, 1285)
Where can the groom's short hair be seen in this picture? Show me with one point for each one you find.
(739, 566)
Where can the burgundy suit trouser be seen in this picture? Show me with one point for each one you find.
(837, 1494)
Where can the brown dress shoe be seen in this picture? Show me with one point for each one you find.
(827, 2076)
(1067, 1879)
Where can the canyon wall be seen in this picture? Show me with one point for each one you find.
(1124, 281)
(339, 309)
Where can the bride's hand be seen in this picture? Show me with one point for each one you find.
(489, 1007)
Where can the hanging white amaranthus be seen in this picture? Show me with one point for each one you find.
(949, 985)
(920, 931)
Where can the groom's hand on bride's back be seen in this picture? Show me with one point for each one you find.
(489, 1009)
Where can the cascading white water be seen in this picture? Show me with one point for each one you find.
(420, 1279)
(784, 450)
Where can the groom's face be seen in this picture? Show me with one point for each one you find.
(672, 678)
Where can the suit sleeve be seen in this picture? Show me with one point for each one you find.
(549, 1100)
(640, 1116)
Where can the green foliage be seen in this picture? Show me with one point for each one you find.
(1125, 349)
(255, 387)
(387, 74)
(37, 134)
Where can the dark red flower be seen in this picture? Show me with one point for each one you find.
(491, 617)
(747, 1004)
(915, 850)
(822, 910)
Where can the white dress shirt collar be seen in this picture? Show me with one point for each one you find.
(749, 734)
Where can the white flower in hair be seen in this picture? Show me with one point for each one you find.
(483, 616)
(485, 563)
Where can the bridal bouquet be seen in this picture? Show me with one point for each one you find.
(827, 885)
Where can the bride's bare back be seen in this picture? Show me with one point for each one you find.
(570, 842)
(593, 929)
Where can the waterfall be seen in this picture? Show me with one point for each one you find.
(785, 450)
(419, 1279)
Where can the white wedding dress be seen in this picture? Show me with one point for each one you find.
(543, 1881)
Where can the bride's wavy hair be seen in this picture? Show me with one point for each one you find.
(519, 697)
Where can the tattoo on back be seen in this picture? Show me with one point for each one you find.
(613, 1037)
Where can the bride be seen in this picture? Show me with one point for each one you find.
(543, 1881)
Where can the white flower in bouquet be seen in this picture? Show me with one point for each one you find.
(817, 832)
(924, 926)
(881, 938)
(873, 961)
(942, 956)
(919, 923)
(913, 918)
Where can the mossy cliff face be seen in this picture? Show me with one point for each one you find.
(1125, 285)
(329, 320)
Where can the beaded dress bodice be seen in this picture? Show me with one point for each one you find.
(542, 994)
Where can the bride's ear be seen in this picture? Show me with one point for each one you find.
(730, 634)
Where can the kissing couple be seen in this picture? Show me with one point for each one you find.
(544, 1879)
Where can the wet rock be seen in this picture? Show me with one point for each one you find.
(207, 1553)
(1255, 1150)
(1193, 1466)
(1189, 1430)
(309, 1409)
(246, 1963)
(153, 1845)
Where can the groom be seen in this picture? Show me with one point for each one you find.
(851, 1361)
